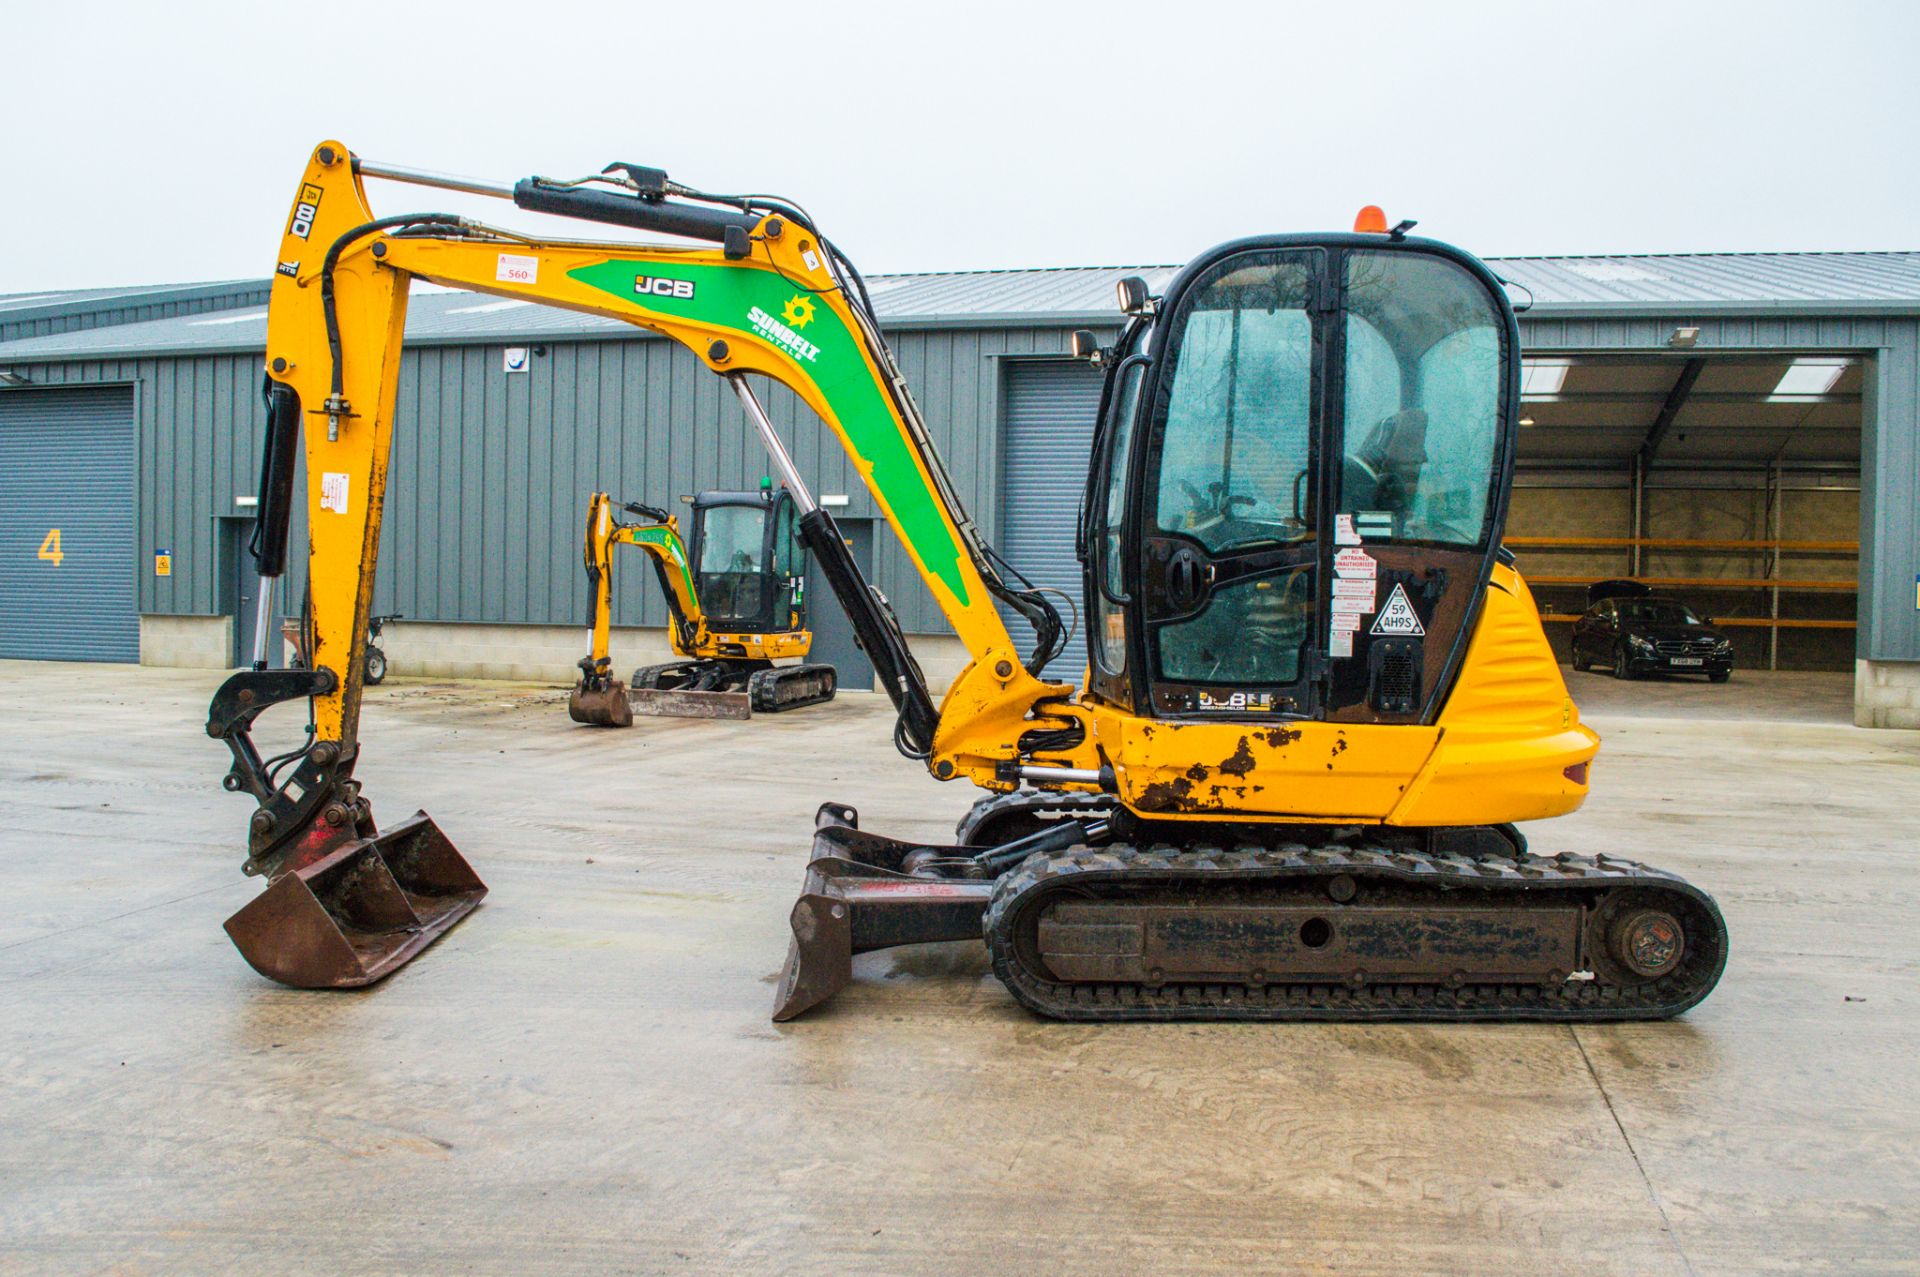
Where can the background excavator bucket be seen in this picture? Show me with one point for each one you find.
(607, 707)
(359, 913)
(672, 703)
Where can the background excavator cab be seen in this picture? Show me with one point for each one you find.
(748, 561)
(1299, 482)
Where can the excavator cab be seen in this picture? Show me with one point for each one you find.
(748, 561)
(1299, 483)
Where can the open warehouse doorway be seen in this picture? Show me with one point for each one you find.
(1729, 480)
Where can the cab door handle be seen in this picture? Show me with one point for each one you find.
(1188, 577)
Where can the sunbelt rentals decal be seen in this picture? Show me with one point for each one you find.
(799, 313)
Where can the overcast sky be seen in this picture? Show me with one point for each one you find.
(160, 142)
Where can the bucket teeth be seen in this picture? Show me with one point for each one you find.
(359, 913)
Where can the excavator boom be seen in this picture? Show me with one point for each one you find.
(773, 300)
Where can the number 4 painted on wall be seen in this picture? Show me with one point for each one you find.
(50, 548)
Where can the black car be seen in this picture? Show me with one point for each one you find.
(1631, 631)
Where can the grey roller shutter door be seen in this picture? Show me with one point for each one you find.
(1048, 438)
(66, 462)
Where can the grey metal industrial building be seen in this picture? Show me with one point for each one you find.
(1743, 428)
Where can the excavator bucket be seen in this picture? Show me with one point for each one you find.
(658, 702)
(857, 897)
(606, 707)
(360, 912)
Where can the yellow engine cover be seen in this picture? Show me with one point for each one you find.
(1509, 745)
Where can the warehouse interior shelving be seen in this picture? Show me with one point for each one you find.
(1772, 583)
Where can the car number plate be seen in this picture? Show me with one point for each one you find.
(1689, 660)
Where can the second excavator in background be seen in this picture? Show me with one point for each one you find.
(736, 600)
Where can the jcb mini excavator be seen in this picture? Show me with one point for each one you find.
(1319, 694)
(736, 595)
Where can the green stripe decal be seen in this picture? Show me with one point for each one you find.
(761, 304)
(671, 546)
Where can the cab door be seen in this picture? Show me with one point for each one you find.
(1229, 510)
(789, 559)
(1322, 479)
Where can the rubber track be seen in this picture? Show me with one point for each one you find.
(786, 687)
(1081, 873)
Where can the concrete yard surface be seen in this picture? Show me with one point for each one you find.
(582, 1076)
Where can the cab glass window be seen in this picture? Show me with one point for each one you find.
(1109, 618)
(731, 539)
(1251, 632)
(1237, 439)
(787, 553)
(1425, 379)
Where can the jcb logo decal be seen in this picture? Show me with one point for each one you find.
(1239, 700)
(305, 210)
(654, 286)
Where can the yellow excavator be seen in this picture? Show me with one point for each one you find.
(736, 596)
(1319, 696)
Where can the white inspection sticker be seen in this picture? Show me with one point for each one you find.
(810, 258)
(516, 268)
(1355, 563)
(1342, 645)
(1343, 531)
(1398, 616)
(333, 492)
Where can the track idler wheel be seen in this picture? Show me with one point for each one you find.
(1648, 942)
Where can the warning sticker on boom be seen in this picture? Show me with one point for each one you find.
(1398, 616)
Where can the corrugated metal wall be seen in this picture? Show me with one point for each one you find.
(1890, 500)
(496, 501)
(491, 470)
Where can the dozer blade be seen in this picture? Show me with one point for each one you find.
(608, 707)
(857, 897)
(659, 703)
(359, 913)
